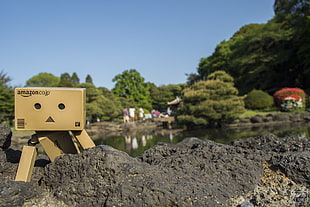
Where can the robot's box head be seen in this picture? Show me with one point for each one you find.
(50, 109)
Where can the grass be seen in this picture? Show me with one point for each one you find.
(250, 113)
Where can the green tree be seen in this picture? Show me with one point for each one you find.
(267, 56)
(116, 103)
(6, 104)
(222, 76)
(130, 85)
(210, 102)
(4, 79)
(253, 56)
(163, 94)
(193, 77)
(65, 80)
(43, 80)
(89, 79)
(75, 79)
(295, 14)
(107, 93)
(291, 7)
(304, 52)
(6, 99)
(99, 106)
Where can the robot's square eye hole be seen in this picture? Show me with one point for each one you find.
(37, 106)
(61, 106)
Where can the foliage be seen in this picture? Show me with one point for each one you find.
(99, 106)
(280, 95)
(250, 56)
(49, 80)
(161, 95)
(290, 99)
(210, 102)
(192, 78)
(285, 7)
(130, 85)
(266, 56)
(89, 79)
(221, 75)
(6, 98)
(258, 99)
(65, 80)
(291, 103)
(75, 79)
(113, 111)
(43, 80)
(303, 52)
(107, 93)
(6, 103)
(4, 79)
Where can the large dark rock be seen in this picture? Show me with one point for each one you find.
(270, 144)
(7, 169)
(191, 173)
(5, 137)
(257, 119)
(295, 165)
(15, 193)
(7, 155)
(281, 117)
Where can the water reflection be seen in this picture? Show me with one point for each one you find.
(136, 143)
(128, 143)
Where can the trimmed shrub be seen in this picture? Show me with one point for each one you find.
(258, 99)
(290, 99)
(210, 102)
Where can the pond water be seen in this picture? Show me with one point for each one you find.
(136, 143)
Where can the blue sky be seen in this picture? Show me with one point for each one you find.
(162, 39)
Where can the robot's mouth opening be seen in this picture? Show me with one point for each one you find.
(49, 119)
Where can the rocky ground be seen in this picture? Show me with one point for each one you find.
(258, 171)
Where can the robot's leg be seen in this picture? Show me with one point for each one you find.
(26, 164)
(57, 143)
(50, 148)
(83, 138)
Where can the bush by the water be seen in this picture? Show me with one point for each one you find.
(258, 99)
(211, 101)
(290, 99)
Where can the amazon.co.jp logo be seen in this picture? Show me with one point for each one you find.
(28, 93)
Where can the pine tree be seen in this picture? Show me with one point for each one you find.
(210, 102)
(89, 79)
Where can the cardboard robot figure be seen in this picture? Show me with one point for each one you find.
(57, 115)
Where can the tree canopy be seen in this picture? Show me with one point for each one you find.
(130, 85)
(161, 95)
(65, 80)
(99, 106)
(43, 80)
(210, 102)
(294, 7)
(75, 79)
(266, 56)
(89, 79)
(6, 98)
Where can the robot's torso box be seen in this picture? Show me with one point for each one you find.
(50, 109)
